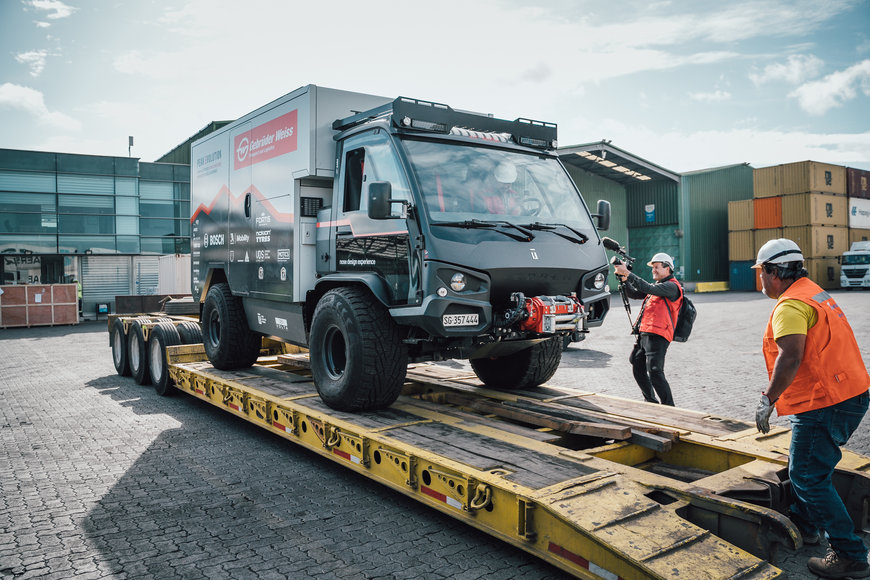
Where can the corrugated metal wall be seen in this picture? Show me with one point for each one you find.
(647, 241)
(594, 188)
(705, 196)
(103, 278)
(653, 204)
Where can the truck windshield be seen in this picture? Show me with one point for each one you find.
(855, 260)
(460, 183)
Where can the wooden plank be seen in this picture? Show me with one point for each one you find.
(540, 419)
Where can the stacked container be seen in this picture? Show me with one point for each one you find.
(809, 198)
(858, 188)
(741, 225)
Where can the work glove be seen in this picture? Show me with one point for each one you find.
(762, 414)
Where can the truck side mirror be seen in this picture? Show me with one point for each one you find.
(380, 202)
(603, 215)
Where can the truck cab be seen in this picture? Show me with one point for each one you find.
(441, 234)
(855, 266)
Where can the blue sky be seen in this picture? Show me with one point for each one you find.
(686, 84)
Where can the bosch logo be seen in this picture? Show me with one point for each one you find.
(204, 240)
(242, 149)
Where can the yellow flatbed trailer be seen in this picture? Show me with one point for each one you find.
(599, 486)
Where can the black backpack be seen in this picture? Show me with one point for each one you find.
(685, 319)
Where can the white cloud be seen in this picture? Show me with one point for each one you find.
(817, 97)
(55, 8)
(35, 59)
(795, 70)
(41, 24)
(31, 101)
(715, 96)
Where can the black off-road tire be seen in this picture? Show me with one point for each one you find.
(189, 332)
(118, 341)
(229, 343)
(137, 353)
(358, 359)
(162, 335)
(521, 370)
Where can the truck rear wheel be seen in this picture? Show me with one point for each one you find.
(119, 348)
(137, 353)
(229, 343)
(357, 356)
(527, 368)
(162, 335)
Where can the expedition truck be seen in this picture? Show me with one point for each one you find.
(379, 232)
(855, 266)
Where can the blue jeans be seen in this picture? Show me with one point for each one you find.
(816, 437)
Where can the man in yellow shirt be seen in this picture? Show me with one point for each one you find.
(818, 377)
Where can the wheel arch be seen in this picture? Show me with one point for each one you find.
(375, 284)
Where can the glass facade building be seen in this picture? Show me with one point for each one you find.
(101, 220)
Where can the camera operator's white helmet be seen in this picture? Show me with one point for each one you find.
(779, 251)
(663, 258)
(505, 172)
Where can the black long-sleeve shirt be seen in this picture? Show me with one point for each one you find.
(638, 288)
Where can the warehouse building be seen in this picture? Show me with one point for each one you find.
(103, 221)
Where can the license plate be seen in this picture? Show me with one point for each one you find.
(459, 320)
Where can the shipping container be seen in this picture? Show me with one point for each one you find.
(761, 237)
(740, 246)
(818, 241)
(858, 235)
(767, 212)
(767, 181)
(815, 209)
(812, 176)
(824, 271)
(704, 199)
(740, 215)
(859, 213)
(857, 183)
(741, 276)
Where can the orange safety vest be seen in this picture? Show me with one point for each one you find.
(832, 370)
(660, 314)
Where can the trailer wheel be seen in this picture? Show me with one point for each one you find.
(527, 368)
(189, 332)
(119, 348)
(137, 353)
(162, 335)
(357, 356)
(229, 343)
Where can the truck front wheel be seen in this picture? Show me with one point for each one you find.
(357, 356)
(229, 343)
(527, 368)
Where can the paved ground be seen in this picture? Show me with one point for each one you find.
(101, 478)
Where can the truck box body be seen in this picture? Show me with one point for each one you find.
(855, 266)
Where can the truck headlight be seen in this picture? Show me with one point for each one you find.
(599, 280)
(457, 282)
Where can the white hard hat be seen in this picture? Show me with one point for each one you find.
(505, 172)
(779, 251)
(663, 258)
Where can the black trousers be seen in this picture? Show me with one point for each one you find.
(648, 366)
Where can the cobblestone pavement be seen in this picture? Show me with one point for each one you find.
(102, 478)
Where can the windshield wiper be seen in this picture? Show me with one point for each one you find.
(580, 239)
(526, 237)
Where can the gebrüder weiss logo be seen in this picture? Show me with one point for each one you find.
(242, 149)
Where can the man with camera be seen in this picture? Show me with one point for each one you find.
(654, 326)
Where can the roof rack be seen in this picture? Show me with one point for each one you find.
(408, 113)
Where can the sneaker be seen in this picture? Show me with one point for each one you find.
(835, 566)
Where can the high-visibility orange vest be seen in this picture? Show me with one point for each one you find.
(832, 370)
(656, 317)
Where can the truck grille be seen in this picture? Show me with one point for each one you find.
(857, 273)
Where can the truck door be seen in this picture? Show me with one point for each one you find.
(363, 244)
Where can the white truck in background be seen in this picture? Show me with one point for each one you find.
(855, 266)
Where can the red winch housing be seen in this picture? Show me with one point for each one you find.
(550, 314)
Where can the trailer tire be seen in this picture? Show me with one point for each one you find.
(162, 335)
(527, 368)
(189, 332)
(119, 348)
(358, 359)
(229, 343)
(137, 353)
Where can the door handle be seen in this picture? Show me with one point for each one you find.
(248, 205)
